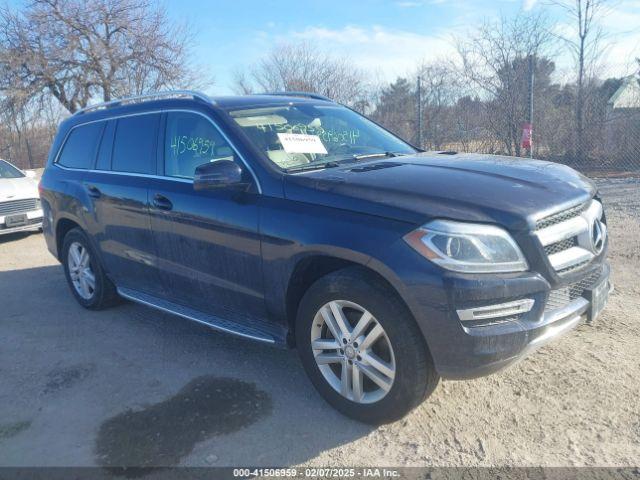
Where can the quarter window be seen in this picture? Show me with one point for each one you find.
(81, 147)
(134, 147)
(190, 141)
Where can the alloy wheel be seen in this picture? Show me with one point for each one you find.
(353, 351)
(82, 276)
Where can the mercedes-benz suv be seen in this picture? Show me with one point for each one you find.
(292, 220)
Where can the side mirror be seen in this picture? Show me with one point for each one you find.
(30, 173)
(217, 175)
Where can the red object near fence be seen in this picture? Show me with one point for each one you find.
(527, 136)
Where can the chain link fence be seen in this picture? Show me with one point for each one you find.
(605, 142)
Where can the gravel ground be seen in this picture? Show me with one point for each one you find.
(134, 386)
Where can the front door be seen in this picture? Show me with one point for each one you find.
(207, 243)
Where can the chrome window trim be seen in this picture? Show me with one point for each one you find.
(145, 175)
(126, 174)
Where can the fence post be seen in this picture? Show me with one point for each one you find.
(419, 112)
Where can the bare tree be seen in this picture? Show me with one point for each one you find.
(586, 47)
(440, 90)
(495, 61)
(78, 49)
(303, 67)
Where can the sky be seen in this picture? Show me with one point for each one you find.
(388, 38)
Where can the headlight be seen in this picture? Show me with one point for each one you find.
(468, 247)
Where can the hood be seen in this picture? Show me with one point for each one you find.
(510, 191)
(17, 188)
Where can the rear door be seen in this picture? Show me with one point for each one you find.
(118, 186)
(207, 242)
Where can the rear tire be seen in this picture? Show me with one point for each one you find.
(394, 375)
(86, 278)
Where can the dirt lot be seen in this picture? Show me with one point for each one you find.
(131, 385)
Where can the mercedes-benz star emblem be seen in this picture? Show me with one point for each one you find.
(598, 233)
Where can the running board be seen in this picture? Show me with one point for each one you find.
(212, 321)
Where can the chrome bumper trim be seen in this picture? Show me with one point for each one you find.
(496, 311)
(23, 228)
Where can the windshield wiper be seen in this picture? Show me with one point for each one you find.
(336, 163)
(364, 156)
(312, 166)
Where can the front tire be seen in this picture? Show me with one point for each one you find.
(88, 282)
(361, 347)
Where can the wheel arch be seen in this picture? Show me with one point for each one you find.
(63, 226)
(311, 268)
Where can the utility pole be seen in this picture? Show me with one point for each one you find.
(531, 81)
(419, 113)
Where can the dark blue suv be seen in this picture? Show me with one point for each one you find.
(292, 220)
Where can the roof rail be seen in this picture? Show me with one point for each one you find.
(146, 98)
(315, 96)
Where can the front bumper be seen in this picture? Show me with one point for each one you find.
(34, 222)
(462, 350)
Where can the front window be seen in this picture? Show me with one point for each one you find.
(300, 137)
(9, 171)
(190, 141)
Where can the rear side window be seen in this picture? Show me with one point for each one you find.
(81, 147)
(134, 146)
(106, 147)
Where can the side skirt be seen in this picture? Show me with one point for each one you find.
(261, 333)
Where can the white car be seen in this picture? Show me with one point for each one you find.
(20, 207)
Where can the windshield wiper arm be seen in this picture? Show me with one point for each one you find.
(364, 156)
(337, 163)
(312, 166)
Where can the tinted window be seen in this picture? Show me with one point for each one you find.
(190, 141)
(106, 147)
(80, 149)
(134, 147)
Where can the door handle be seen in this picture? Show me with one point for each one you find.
(161, 202)
(93, 191)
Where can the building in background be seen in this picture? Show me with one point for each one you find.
(623, 121)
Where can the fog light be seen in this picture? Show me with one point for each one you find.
(499, 310)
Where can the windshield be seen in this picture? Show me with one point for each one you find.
(9, 171)
(297, 137)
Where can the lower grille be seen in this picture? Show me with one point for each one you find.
(562, 297)
(18, 206)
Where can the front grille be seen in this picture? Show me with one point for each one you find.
(565, 236)
(562, 297)
(561, 216)
(561, 246)
(18, 206)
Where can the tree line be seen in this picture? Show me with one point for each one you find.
(58, 56)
